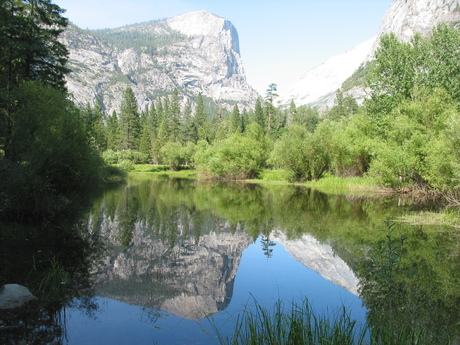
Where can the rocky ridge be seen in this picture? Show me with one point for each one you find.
(197, 52)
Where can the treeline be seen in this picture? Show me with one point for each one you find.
(404, 135)
(47, 158)
(134, 37)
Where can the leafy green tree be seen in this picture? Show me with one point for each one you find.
(352, 145)
(304, 154)
(344, 106)
(128, 123)
(237, 157)
(51, 156)
(29, 50)
(174, 154)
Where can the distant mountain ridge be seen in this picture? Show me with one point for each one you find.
(197, 52)
(404, 17)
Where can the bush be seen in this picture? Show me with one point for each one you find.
(115, 157)
(173, 154)
(304, 154)
(237, 157)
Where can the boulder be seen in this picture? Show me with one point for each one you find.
(13, 296)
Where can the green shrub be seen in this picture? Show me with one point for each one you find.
(237, 157)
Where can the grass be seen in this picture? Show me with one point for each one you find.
(163, 170)
(301, 325)
(334, 184)
(327, 184)
(449, 217)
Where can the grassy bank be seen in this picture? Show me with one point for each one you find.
(328, 184)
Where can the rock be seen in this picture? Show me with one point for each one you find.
(196, 52)
(13, 296)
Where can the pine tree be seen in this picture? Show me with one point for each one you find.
(129, 121)
(175, 117)
(187, 123)
(113, 135)
(200, 121)
(269, 106)
(236, 122)
(259, 117)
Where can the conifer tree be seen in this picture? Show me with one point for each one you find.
(129, 125)
(236, 122)
(200, 121)
(259, 117)
(175, 117)
(187, 123)
(113, 135)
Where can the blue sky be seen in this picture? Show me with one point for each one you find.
(279, 40)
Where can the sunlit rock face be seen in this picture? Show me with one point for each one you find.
(407, 17)
(191, 277)
(404, 17)
(197, 52)
(319, 257)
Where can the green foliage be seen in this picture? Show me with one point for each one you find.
(302, 153)
(128, 124)
(115, 157)
(50, 157)
(237, 157)
(358, 78)
(420, 147)
(352, 146)
(150, 41)
(173, 154)
(401, 69)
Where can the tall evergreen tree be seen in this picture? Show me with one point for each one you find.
(270, 96)
(187, 123)
(200, 121)
(259, 117)
(236, 121)
(175, 117)
(129, 125)
(113, 134)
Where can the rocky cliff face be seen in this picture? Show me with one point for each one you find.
(404, 18)
(196, 52)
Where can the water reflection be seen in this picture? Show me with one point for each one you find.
(172, 252)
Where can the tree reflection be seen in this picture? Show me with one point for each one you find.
(54, 262)
(408, 282)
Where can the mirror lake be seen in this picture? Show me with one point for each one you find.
(169, 261)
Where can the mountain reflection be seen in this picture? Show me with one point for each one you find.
(176, 246)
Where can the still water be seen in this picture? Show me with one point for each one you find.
(169, 261)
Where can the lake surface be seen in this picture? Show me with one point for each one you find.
(167, 261)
